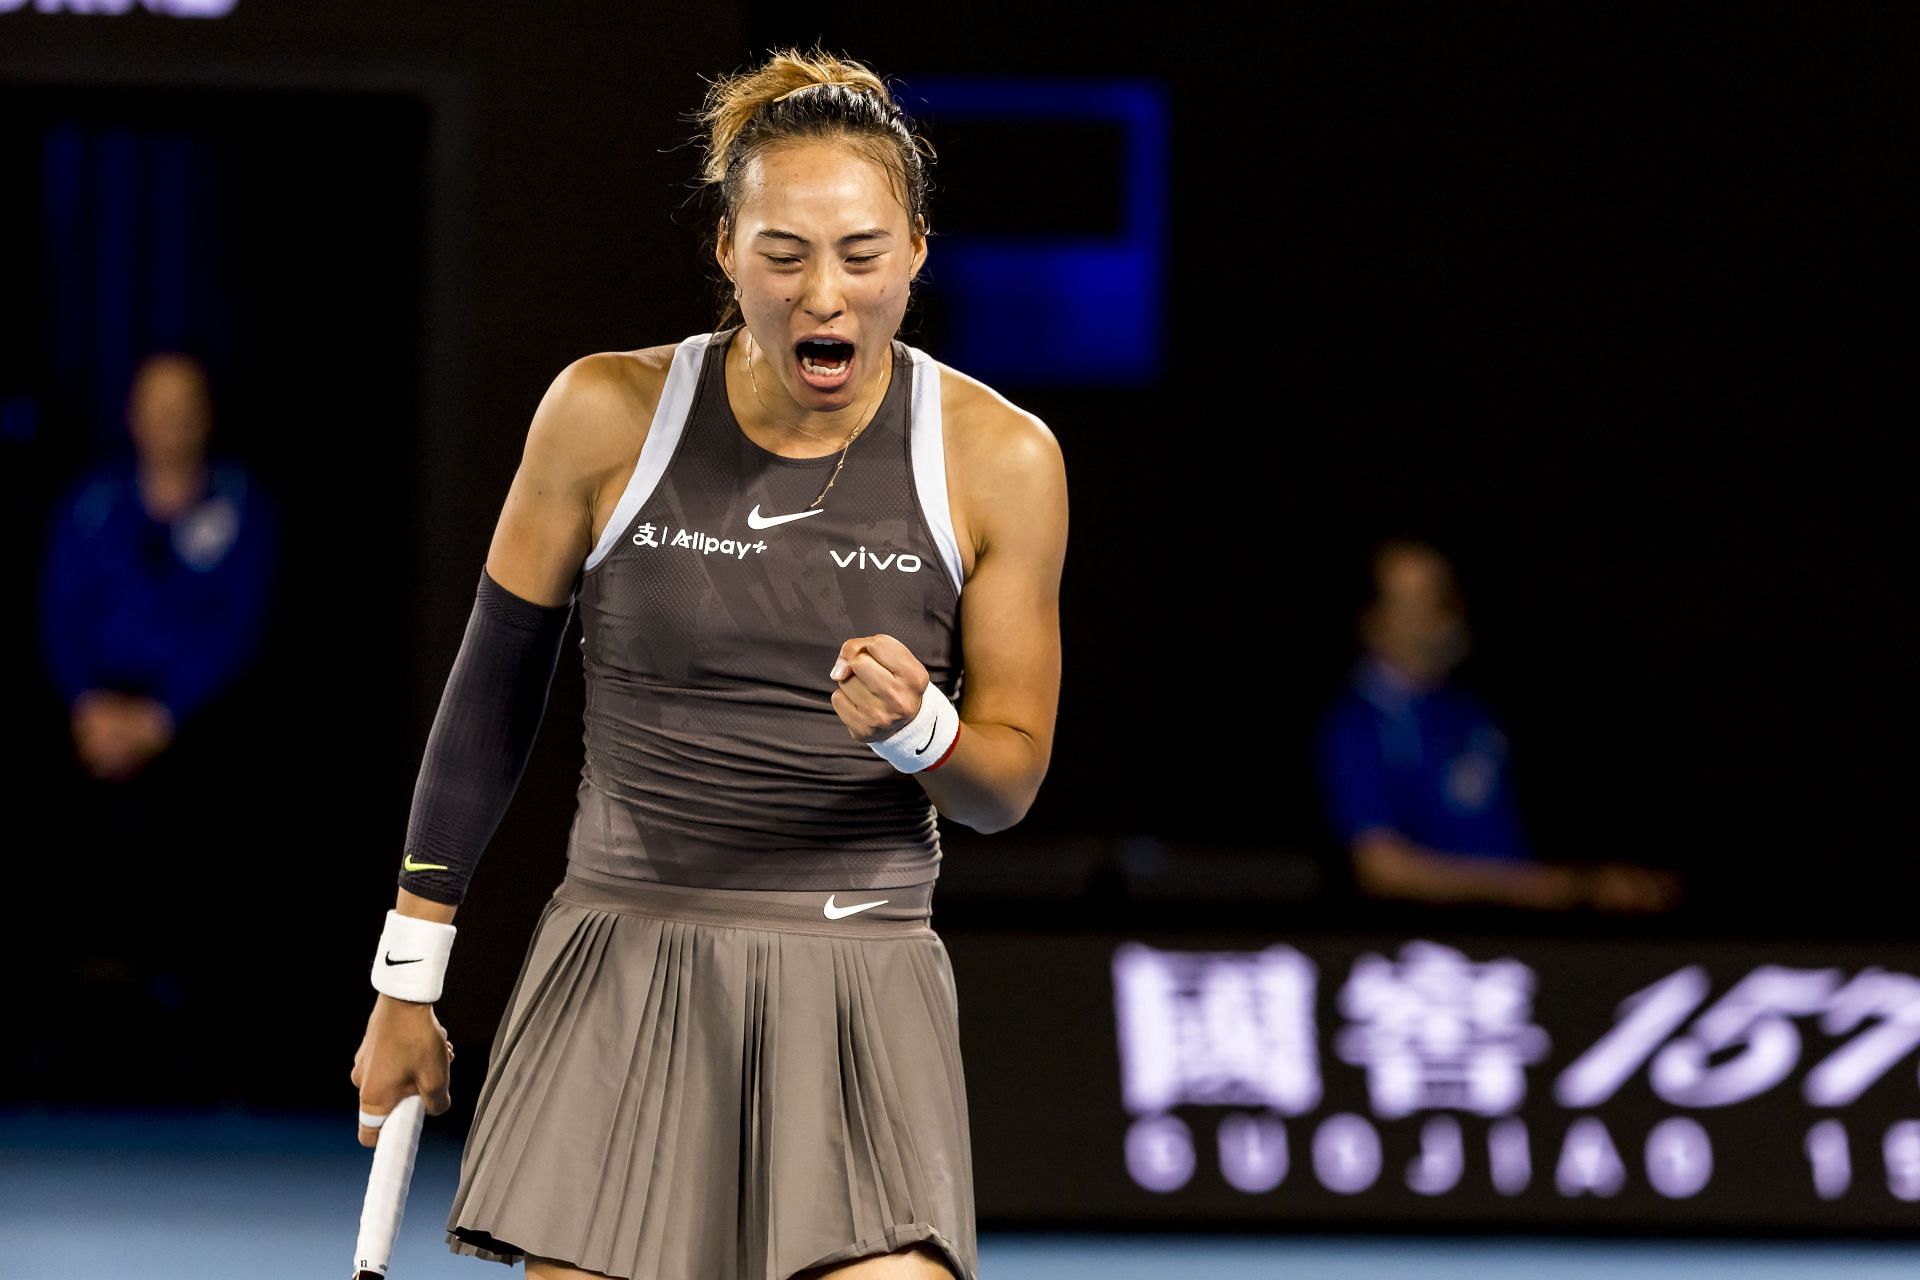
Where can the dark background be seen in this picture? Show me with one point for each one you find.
(1615, 307)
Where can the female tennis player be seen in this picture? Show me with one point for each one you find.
(731, 1050)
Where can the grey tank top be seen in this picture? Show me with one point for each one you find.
(712, 612)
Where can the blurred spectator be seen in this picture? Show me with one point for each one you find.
(157, 581)
(1415, 769)
(155, 597)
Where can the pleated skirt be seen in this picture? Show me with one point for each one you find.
(722, 1084)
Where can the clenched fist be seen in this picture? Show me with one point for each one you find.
(881, 685)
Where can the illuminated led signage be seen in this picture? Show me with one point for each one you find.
(114, 8)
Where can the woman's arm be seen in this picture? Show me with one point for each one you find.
(580, 448)
(580, 451)
(1013, 488)
(581, 445)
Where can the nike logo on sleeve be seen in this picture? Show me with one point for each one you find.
(409, 864)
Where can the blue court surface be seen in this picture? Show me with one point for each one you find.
(168, 1196)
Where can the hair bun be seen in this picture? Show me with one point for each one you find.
(733, 101)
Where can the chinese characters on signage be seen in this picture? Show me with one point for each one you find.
(1451, 1043)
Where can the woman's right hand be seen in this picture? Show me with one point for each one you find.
(405, 1051)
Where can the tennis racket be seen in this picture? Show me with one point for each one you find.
(386, 1198)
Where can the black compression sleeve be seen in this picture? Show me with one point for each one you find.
(481, 738)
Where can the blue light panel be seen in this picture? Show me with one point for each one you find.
(1058, 309)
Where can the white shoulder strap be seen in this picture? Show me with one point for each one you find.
(930, 461)
(669, 421)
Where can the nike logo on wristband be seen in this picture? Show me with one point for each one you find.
(415, 960)
(921, 750)
(407, 863)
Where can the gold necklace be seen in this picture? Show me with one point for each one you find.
(755, 384)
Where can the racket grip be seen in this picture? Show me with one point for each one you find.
(386, 1198)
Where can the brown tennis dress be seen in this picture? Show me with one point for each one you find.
(732, 1049)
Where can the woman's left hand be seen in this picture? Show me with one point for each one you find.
(881, 684)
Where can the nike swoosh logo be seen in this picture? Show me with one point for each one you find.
(836, 913)
(415, 960)
(757, 521)
(929, 742)
(408, 863)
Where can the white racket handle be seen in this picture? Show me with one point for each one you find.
(387, 1186)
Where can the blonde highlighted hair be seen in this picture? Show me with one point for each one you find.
(800, 97)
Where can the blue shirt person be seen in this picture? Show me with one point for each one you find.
(1415, 771)
(158, 579)
(1428, 763)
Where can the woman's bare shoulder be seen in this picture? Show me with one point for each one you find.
(1003, 464)
(988, 433)
(622, 384)
(594, 417)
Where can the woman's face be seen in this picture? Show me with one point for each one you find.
(823, 253)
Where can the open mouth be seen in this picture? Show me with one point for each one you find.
(825, 363)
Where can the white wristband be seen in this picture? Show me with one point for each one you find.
(412, 961)
(924, 741)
